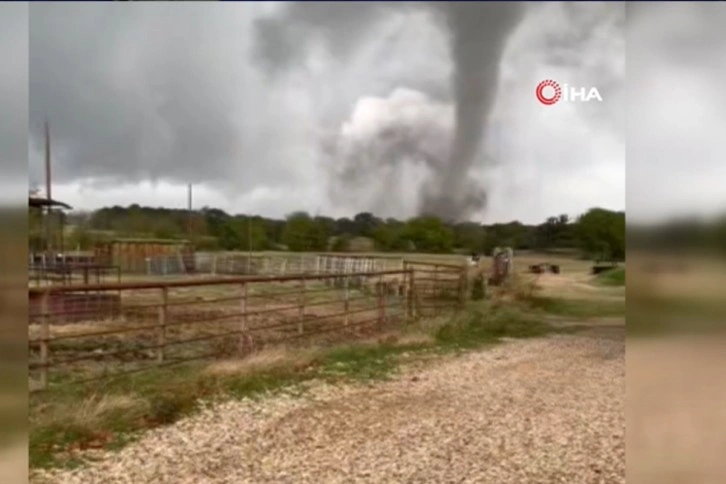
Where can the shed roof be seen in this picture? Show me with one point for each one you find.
(46, 202)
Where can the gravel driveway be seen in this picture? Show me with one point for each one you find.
(536, 411)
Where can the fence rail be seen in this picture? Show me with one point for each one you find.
(255, 263)
(86, 333)
(65, 273)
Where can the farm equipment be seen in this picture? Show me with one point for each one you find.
(544, 267)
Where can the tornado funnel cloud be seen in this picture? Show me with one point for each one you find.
(479, 32)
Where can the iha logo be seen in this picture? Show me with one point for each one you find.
(549, 92)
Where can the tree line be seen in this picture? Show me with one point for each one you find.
(597, 233)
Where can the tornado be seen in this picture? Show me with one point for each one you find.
(479, 32)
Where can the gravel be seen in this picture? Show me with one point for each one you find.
(548, 410)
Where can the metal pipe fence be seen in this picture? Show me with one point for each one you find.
(67, 273)
(84, 333)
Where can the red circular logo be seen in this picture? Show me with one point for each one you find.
(539, 92)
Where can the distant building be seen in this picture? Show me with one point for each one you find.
(45, 228)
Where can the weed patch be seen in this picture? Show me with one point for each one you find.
(577, 308)
(484, 325)
(366, 362)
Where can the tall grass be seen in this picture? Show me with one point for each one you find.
(484, 324)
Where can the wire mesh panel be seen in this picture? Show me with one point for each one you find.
(166, 265)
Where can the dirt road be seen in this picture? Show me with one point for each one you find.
(537, 411)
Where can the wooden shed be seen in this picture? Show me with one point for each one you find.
(135, 255)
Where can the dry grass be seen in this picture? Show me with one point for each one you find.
(95, 409)
(86, 416)
(410, 337)
(264, 361)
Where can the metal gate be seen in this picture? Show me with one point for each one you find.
(435, 288)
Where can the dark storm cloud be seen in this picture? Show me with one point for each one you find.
(142, 92)
(283, 39)
(269, 97)
(478, 34)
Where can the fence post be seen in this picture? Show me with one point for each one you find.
(44, 338)
(406, 288)
(301, 315)
(463, 285)
(161, 330)
(244, 328)
(346, 299)
(411, 292)
(381, 302)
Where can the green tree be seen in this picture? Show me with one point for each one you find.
(164, 228)
(302, 233)
(341, 243)
(391, 236)
(513, 234)
(469, 236)
(429, 234)
(230, 235)
(365, 224)
(601, 233)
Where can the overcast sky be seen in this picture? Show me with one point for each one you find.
(145, 98)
